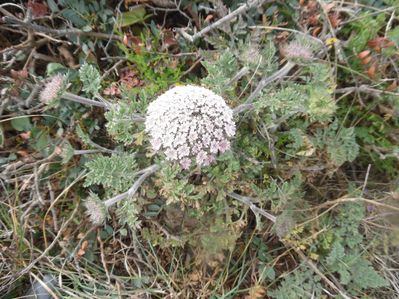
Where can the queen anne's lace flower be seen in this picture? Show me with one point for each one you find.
(190, 124)
(52, 89)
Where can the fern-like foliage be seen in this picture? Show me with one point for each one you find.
(284, 102)
(321, 104)
(128, 212)
(120, 125)
(340, 143)
(115, 173)
(175, 189)
(313, 99)
(301, 283)
(220, 72)
(90, 78)
(346, 257)
(221, 236)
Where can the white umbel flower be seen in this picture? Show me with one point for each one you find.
(190, 124)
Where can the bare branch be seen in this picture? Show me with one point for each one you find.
(250, 203)
(262, 84)
(59, 32)
(82, 100)
(132, 190)
(243, 8)
(78, 99)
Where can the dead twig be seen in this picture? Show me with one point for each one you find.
(250, 203)
(243, 8)
(59, 32)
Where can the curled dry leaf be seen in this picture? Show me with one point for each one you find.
(364, 54)
(169, 42)
(112, 90)
(83, 248)
(282, 36)
(392, 86)
(316, 31)
(379, 43)
(38, 9)
(371, 72)
(208, 18)
(129, 78)
(366, 60)
(68, 56)
(133, 42)
(334, 20)
(19, 76)
(256, 292)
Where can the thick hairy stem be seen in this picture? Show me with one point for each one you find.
(145, 173)
(250, 203)
(262, 84)
(78, 99)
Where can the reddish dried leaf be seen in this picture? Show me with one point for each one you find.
(130, 79)
(312, 6)
(38, 9)
(366, 60)
(282, 36)
(19, 75)
(371, 72)
(316, 31)
(84, 245)
(364, 54)
(125, 40)
(112, 90)
(313, 20)
(169, 41)
(80, 253)
(133, 42)
(334, 20)
(379, 43)
(328, 7)
(208, 18)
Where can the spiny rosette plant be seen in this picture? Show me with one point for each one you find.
(190, 125)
